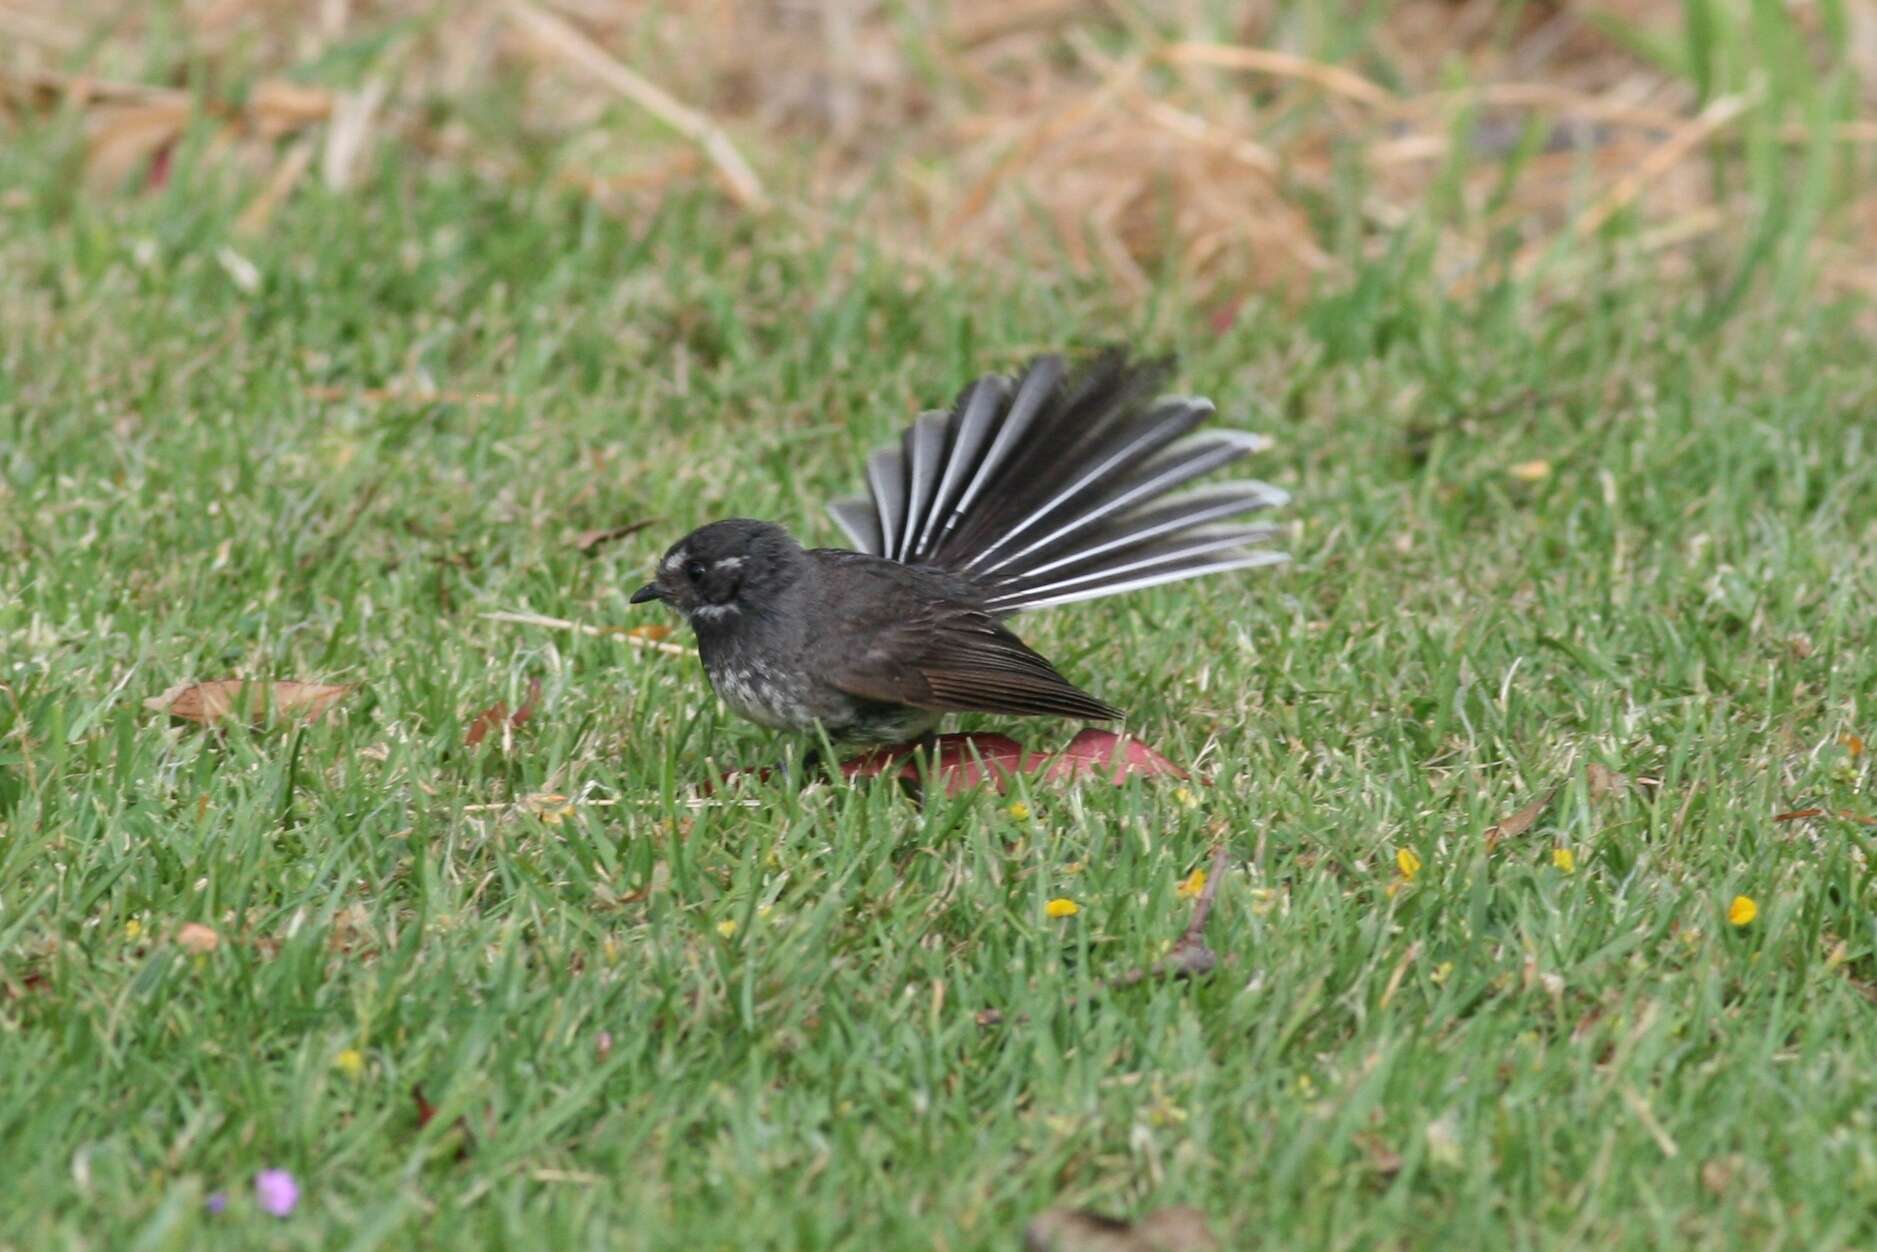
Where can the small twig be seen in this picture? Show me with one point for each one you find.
(588, 540)
(1331, 78)
(279, 186)
(1190, 955)
(401, 395)
(1665, 157)
(556, 34)
(622, 633)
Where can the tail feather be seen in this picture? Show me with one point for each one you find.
(1058, 487)
(1145, 436)
(1198, 508)
(924, 453)
(1114, 504)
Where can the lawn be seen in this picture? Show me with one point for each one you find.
(1548, 916)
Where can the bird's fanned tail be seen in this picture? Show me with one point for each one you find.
(1060, 486)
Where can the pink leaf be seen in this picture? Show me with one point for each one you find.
(1102, 753)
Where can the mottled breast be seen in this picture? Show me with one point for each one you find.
(763, 693)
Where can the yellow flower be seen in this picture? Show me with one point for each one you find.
(1062, 906)
(1442, 972)
(727, 927)
(1020, 811)
(1564, 859)
(133, 929)
(1742, 911)
(1407, 862)
(1184, 797)
(350, 1062)
(1194, 883)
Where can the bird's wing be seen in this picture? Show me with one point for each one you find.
(896, 638)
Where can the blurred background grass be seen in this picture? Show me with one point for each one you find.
(1235, 148)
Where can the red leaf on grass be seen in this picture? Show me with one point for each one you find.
(497, 713)
(252, 701)
(529, 705)
(486, 721)
(425, 1109)
(878, 761)
(963, 761)
(427, 1112)
(967, 761)
(160, 166)
(1102, 753)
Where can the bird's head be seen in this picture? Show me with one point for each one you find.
(726, 570)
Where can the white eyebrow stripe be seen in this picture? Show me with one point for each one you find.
(676, 560)
(730, 562)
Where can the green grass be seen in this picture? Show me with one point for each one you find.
(1556, 1059)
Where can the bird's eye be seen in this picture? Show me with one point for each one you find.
(694, 570)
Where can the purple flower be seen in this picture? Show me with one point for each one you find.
(276, 1191)
(217, 1202)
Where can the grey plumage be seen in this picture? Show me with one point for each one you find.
(1052, 487)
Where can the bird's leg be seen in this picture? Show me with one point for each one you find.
(884, 759)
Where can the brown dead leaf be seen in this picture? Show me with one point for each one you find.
(1521, 821)
(1604, 781)
(128, 137)
(1078, 1230)
(197, 938)
(589, 540)
(1847, 815)
(1718, 1173)
(1383, 1159)
(252, 701)
(650, 632)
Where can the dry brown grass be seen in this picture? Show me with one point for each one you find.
(1113, 137)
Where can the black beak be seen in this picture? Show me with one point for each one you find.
(649, 591)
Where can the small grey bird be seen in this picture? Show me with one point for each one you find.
(1051, 487)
